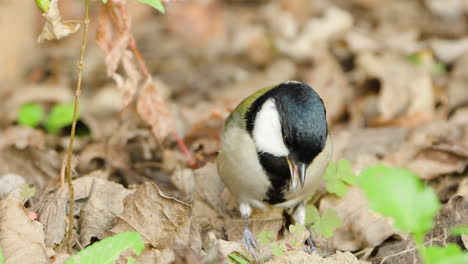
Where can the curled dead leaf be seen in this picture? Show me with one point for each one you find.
(154, 110)
(21, 239)
(113, 36)
(97, 202)
(161, 220)
(361, 227)
(54, 27)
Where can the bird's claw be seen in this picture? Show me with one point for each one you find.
(311, 247)
(249, 241)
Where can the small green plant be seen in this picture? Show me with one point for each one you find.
(325, 224)
(154, 3)
(43, 5)
(27, 191)
(238, 258)
(1, 257)
(339, 176)
(401, 195)
(30, 114)
(266, 237)
(419, 58)
(109, 249)
(59, 117)
(459, 230)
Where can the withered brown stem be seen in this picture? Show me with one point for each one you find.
(72, 133)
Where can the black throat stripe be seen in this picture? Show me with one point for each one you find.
(277, 169)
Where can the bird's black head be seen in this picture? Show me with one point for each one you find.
(302, 119)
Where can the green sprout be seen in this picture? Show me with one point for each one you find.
(109, 249)
(338, 176)
(31, 115)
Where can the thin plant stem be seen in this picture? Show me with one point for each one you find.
(72, 133)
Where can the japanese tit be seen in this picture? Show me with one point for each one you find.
(274, 149)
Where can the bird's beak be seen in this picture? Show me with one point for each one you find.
(298, 172)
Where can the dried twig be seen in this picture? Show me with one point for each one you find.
(72, 133)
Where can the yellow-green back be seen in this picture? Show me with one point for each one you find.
(237, 117)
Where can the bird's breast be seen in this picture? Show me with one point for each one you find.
(278, 173)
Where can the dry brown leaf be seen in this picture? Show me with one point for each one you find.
(97, 201)
(334, 23)
(365, 147)
(299, 256)
(21, 137)
(451, 215)
(161, 220)
(153, 109)
(361, 227)
(432, 150)
(401, 81)
(55, 28)
(37, 166)
(328, 79)
(11, 185)
(114, 36)
(21, 239)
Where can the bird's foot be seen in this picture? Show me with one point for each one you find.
(310, 247)
(249, 241)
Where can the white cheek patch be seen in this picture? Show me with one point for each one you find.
(267, 130)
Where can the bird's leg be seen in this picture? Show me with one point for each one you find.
(247, 236)
(299, 216)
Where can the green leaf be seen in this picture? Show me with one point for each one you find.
(440, 68)
(108, 250)
(277, 248)
(154, 3)
(312, 214)
(451, 254)
(238, 258)
(345, 172)
(59, 117)
(265, 237)
(131, 260)
(327, 223)
(1, 257)
(459, 230)
(104, 1)
(30, 115)
(338, 176)
(296, 229)
(27, 191)
(400, 194)
(43, 5)
(414, 58)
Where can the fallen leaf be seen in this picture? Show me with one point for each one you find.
(153, 109)
(54, 27)
(161, 220)
(329, 81)
(97, 202)
(361, 227)
(299, 256)
(333, 24)
(451, 215)
(113, 37)
(43, 165)
(10, 185)
(400, 81)
(21, 239)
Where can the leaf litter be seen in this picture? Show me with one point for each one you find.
(393, 86)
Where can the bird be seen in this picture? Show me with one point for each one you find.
(275, 147)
